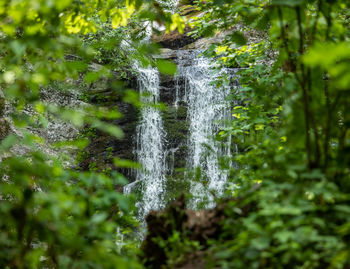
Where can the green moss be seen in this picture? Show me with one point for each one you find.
(179, 157)
(175, 125)
(177, 131)
(175, 113)
(175, 186)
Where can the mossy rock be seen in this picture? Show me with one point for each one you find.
(180, 160)
(174, 40)
(175, 186)
(176, 126)
(175, 113)
(177, 131)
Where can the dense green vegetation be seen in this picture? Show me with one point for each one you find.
(292, 127)
(53, 216)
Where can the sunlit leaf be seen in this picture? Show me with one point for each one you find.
(166, 67)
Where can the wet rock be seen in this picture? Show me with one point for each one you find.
(174, 40)
(171, 86)
(168, 54)
(104, 147)
(176, 126)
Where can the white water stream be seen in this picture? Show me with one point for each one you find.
(150, 145)
(207, 108)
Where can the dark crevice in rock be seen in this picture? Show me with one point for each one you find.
(174, 40)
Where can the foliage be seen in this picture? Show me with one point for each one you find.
(292, 128)
(289, 198)
(53, 216)
(291, 124)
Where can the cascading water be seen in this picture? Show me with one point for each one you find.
(150, 149)
(207, 108)
(150, 152)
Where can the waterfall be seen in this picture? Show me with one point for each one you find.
(149, 149)
(207, 108)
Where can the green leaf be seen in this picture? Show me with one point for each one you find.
(77, 66)
(166, 67)
(260, 243)
(18, 48)
(122, 163)
(98, 218)
(91, 77)
(291, 3)
(108, 128)
(9, 142)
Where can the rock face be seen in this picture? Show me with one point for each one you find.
(55, 129)
(103, 147)
(174, 40)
